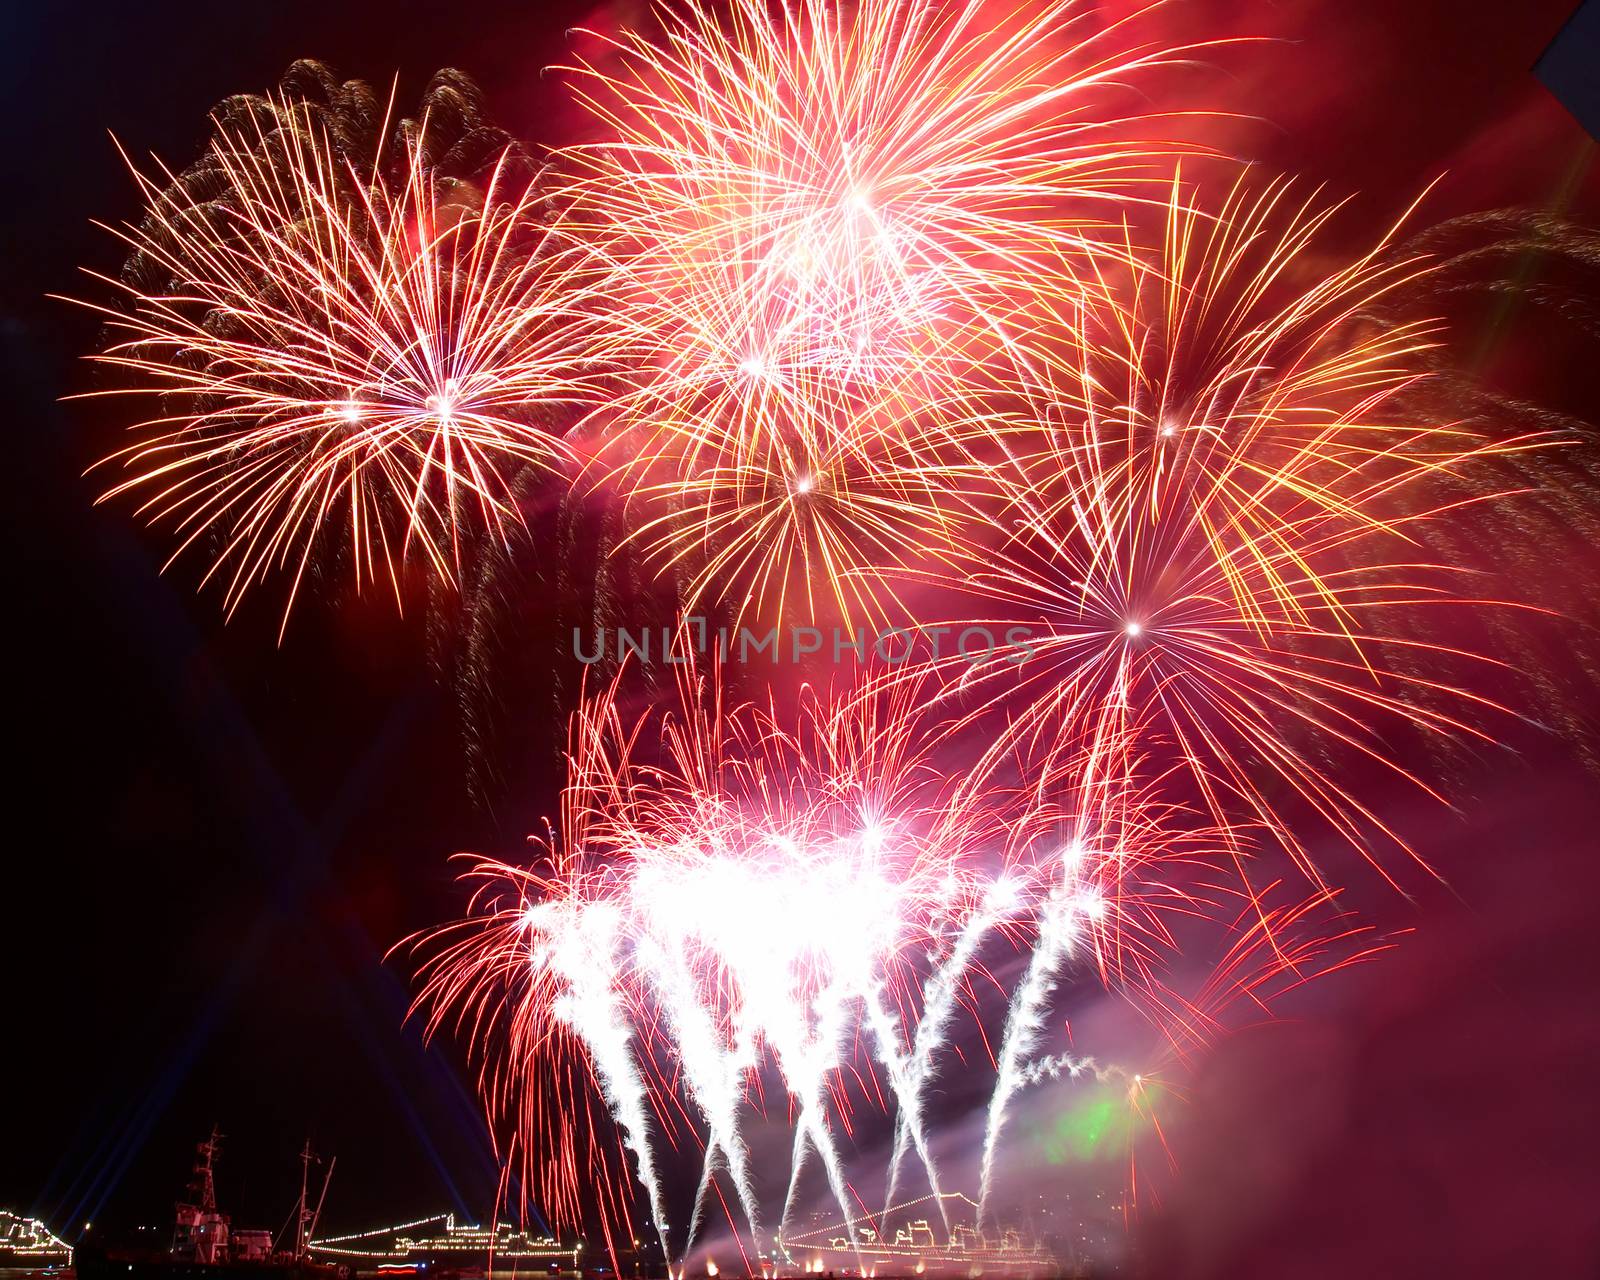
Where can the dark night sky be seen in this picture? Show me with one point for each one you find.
(212, 841)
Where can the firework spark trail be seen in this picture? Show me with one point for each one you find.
(805, 1074)
(1073, 1064)
(905, 1085)
(804, 1035)
(939, 999)
(1059, 934)
(1109, 813)
(716, 1077)
(582, 947)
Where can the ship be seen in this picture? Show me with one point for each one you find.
(207, 1246)
(441, 1246)
(26, 1244)
(906, 1242)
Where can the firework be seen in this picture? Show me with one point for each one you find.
(817, 231)
(829, 528)
(1206, 531)
(337, 351)
(844, 297)
(740, 891)
(701, 892)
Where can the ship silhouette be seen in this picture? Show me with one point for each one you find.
(205, 1244)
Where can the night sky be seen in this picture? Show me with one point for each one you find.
(213, 840)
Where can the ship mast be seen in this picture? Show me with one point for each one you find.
(200, 1233)
(306, 1218)
(303, 1219)
(204, 1186)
